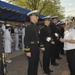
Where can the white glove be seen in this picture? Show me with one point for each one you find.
(48, 39)
(56, 34)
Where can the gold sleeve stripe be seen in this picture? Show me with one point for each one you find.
(26, 49)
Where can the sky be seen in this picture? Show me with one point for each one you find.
(69, 6)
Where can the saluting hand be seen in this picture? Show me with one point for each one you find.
(28, 54)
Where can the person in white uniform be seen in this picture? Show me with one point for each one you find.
(23, 35)
(69, 46)
(7, 42)
(16, 32)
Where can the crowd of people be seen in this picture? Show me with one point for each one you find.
(52, 38)
(11, 39)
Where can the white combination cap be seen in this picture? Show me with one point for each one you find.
(8, 25)
(47, 17)
(32, 12)
(53, 17)
(23, 24)
(1, 22)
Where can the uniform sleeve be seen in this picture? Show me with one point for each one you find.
(42, 36)
(27, 39)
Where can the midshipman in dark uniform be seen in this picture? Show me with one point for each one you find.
(31, 41)
(62, 35)
(55, 36)
(2, 57)
(45, 44)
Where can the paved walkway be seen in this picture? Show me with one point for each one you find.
(19, 65)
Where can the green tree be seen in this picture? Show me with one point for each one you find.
(45, 7)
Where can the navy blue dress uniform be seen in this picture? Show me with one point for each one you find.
(31, 42)
(58, 44)
(55, 36)
(45, 42)
(2, 57)
(62, 35)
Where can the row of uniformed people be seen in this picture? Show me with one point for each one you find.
(47, 39)
(19, 34)
(50, 43)
(17, 30)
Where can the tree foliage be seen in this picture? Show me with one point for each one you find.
(45, 7)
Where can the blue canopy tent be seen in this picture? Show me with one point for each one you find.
(13, 13)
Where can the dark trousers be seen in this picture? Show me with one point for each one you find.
(71, 60)
(58, 48)
(61, 48)
(33, 60)
(46, 57)
(53, 54)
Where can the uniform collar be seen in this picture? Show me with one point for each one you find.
(46, 26)
(32, 23)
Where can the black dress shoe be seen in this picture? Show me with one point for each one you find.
(47, 72)
(55, 64)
